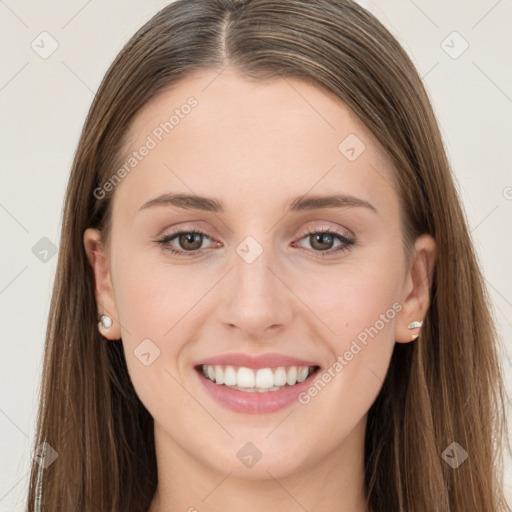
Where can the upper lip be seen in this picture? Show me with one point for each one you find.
(255, 362)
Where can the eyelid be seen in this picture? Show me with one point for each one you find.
(175, 232)
(305, 231)
(348, 240)
(327, 228)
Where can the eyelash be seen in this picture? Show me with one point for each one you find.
(347, 242)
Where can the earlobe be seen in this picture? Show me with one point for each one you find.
(417, 288)
(103, 288)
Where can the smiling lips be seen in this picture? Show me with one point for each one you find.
(261, 380)
(255, 384)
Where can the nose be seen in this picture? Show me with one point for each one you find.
(256, 303)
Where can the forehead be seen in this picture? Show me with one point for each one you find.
(227, 135)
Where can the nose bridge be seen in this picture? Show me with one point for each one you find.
(256, 299)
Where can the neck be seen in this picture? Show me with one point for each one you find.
(334, 483)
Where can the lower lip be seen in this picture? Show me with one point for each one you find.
(255, 402)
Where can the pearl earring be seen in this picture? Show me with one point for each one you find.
(414, 325)
(105, 322)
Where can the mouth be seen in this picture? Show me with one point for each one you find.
(255, 390)
(256, 380)
(255, 384)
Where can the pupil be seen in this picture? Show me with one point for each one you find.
(189, 238)
(323, 239)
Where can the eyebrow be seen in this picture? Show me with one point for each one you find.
(301, 203)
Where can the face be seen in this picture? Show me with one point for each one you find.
(267, 280)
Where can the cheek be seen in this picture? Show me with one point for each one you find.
(152, 295)
(160, 307)
(359, 306)
(353, 299)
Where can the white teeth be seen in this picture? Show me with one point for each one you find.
(261, 380)
(245, 377)
(280, 377)
(303, 374)
(291, 378)
(264, 378)
(229, 376)
(219, 375)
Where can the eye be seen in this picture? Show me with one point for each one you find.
(323, 239)
(190, 242)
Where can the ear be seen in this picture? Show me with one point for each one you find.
(104, 291)
(416, 292)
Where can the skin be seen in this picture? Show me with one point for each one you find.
(255, 146)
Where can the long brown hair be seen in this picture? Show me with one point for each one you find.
(444, 387)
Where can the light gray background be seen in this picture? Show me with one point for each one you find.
(43, 104)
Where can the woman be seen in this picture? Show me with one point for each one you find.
(266, 293)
